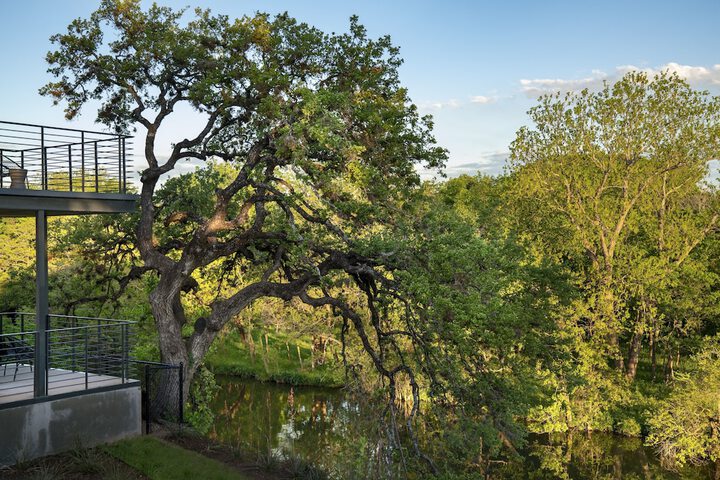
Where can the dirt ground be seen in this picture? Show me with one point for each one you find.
(88, 464)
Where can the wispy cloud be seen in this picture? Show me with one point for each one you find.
(483, 100)
(454, 103)
(696, 75)
(699, 76)
(439, 105)
(489, 163)
(540, 86)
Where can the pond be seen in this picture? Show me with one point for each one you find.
(333, 430)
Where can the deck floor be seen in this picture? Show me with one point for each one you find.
(19, 387)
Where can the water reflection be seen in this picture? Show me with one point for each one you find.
(340, 433)
(311, 423)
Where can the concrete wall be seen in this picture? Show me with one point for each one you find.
(54, 426)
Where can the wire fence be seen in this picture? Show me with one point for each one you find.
(162, 392)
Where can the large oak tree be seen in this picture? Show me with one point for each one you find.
(322, 140)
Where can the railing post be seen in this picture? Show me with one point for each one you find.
(1, 168)
(124, 333)
(43, 160)
(97, 182)
(120, 168)
(124, 166)
(82, 161)
(98, 348)
(70, 175)
(86, 329)
(73, 325)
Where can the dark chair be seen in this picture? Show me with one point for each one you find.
(14, 350)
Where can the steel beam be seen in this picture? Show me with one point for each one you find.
(41, 304)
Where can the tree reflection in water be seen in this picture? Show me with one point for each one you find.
(341, 434)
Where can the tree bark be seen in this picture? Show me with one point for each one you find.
(633, 356)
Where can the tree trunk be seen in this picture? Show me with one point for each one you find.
(615, 349)
(633, 356)
(653, 348)
(669, 372)
(607, 312)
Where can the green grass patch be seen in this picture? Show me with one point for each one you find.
(283, 360)
(159, 460)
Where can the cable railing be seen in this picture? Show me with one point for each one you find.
(39, 157)
(83, 353)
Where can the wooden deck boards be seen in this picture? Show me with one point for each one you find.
(59, 381)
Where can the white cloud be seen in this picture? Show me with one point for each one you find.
(698, 76)
(482, 99)
(489, 163)
(540, 86)
(452, 103)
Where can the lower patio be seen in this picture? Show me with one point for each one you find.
(16, 386)
(64, 385)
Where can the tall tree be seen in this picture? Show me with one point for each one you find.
(612, 181)
(322, 138)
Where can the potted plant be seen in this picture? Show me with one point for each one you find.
(17, 177)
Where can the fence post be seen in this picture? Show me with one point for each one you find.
(147, 399)
(181, 374)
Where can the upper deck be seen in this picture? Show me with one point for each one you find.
(63, 171)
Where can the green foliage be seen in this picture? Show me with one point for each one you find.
(276, 362)
(610, 186)
(202, 393)
(486, 321)
(685, 428)
(611, 182)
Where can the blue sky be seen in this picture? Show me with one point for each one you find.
(477, 66)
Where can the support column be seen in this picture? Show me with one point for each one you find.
(41, 303)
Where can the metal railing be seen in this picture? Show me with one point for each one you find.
(83, 353)
(16, 322)
(64, 159)
(98, 348)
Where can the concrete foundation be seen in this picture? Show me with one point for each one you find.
(57, 425)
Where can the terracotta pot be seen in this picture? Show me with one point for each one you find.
(18, 177)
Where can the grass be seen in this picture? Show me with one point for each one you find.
(277, 362)
(159, 460)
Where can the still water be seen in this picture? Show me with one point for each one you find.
(334, 430)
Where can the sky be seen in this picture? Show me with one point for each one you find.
(476, 66)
